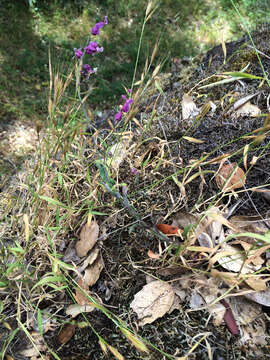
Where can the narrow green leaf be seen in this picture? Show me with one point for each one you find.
(243, 75)
(39, 320)
(49, 280)
(53, 201)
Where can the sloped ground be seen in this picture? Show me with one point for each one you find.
(158, 150)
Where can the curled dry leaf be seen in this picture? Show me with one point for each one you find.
(66, 333)
(169, 229)
(93, 271)
(230, 177)
(153, 301)
(88, 238)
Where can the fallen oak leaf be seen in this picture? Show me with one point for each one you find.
(169, 229)
(93, 271)
(66, 333)
(88, 238)
(80, 296)
(153, 301)
(230, 177)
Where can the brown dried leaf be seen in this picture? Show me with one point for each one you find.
(153, 255)
(66, 333)
(91, 258)
(80, 297)
(256, 283)
(93, 271)
(230, 279)
(153, 301)
(88, 238)
(230, 177)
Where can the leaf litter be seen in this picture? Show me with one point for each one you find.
(241, 259)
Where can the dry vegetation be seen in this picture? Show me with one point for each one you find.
(149, 238)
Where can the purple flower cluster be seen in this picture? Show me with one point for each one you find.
(87, 70)
(124, 109)
(91, 48)
(98, 26)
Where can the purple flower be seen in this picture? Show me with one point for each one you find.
(78, 53)
(87, 70)
(118, 116)
(125, 108)
(92, 48)
(96, 29)
(134, 171)
(126, 105)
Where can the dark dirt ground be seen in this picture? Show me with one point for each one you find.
(125, 253)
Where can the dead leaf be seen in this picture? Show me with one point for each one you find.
(168, 229)
(93, 271)
(36, 347)
(153, 301)
(247, 109)
(232, 259)
(193, 140)
(152, 255)
(189, 108)
(80, 296)
(91, 258)
(229, 318)
(117, 153)
(261, 297)
(256, 283)
(75, 309)
(66, 333)
(230, 177)
(88, 238)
